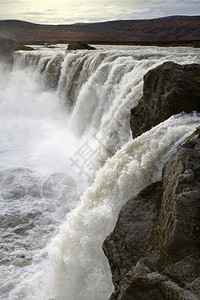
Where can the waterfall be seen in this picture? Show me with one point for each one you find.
(68, 163)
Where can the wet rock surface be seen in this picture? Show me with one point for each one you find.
(154, 250)
(168, 89)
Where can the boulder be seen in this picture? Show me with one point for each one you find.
(154, 250)
(168, 90)
(79, 46)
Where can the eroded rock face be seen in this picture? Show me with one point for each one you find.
(79, 46)
(168, 90)
(150, 286)
(127, 243)
(154, 250)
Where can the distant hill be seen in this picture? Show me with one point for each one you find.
(174, 28)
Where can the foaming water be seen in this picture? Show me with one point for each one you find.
(78, 268)
(64, 125)
(38, 186)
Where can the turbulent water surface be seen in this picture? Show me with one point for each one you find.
(68, 163)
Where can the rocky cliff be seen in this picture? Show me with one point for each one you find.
(168, 90)
(154, 249)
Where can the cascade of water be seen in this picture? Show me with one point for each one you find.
(77, 268)
(53, 106)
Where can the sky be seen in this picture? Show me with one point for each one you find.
(87, 11)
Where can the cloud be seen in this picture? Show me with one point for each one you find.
(73, 11)
(33, 13)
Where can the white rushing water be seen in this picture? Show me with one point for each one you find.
(68, 163)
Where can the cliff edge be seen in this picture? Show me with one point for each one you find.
(154, 249)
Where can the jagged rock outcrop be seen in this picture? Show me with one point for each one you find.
(168, 90)
(79, 46)
(154, 250)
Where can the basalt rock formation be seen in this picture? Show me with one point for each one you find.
(154, 248)
(168, 90)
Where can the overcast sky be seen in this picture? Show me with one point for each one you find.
(74, 11)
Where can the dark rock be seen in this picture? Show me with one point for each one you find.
(168, 90)
(127, 243)
(79, 46)
(154, 249)
(151, 286)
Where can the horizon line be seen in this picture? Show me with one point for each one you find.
(100, 22)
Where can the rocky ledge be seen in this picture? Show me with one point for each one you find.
(168, 90)
(154, 249)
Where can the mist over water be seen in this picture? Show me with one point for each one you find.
(37, 182)
(68, 163)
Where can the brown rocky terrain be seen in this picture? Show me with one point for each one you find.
(176, 28)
